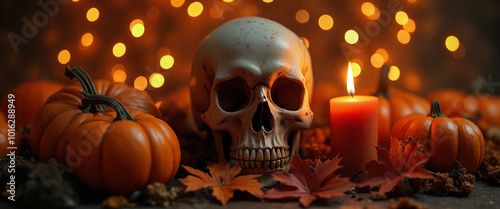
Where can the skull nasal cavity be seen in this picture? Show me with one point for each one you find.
(263, 118)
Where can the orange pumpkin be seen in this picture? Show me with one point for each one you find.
(29, 98)
(4, 139)
(455, 103)
(488, 113)
(448, 139)
(63, 112)
(120, 151)
(394, 105)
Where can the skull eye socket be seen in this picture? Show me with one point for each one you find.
(287, 94)
(233, 95)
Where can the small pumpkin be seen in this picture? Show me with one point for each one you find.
(394, 105)
(448, 139)
(488, 112)
(122, 151)
(63, 112)
(29, 98)
(4, 139)
(455, 103)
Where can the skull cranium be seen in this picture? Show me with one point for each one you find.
(251, 83)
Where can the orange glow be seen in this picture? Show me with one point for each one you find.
(166, 62)
(156, 80)
(267, 1)
(119, 76)
(350, 81)
(325, 22)
(158, 104)
(305, 41)
(74, 0)
(401, 18)
(412, 1)
(356, 69)
(302, 16)
(216, 12)
(393, 73)
(368, 9)
(141, 83)
(176, 3)
(137, 28)
(351, 36)
(403, 36)
(452, 43)
(377, 60)
(460, 52)
(119, 49)
(195, 9)
(153, 13)
(92, 14)
(116, 68)
(64, 56)
(384, 54)
(87, 39)
(228, 1)
(410, 26)
(375, 15)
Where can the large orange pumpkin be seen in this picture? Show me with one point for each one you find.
(448, 139)
(29, 98)
(455, 103)
(5, 141)
(63, 112)
(120, 151)
(394, 105)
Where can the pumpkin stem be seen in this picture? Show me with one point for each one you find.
(88, 86)
(121, 112)
(436, 109)
(383, 84)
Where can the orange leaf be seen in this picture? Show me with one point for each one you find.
(402, 160)
(223, 181)
(322, 183)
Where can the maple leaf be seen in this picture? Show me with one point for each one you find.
(402, 160)
(222, 180)
(322, 183)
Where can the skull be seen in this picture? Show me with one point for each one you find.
(251, 83)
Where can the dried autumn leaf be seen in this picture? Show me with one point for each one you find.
(222, 181)
(402, 160)
(322, 183)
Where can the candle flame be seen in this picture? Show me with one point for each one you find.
(350, 81)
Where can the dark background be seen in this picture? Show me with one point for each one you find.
(425, 63)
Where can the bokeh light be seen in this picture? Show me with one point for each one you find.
(156, 80)
(195, 9)
(452, 43)
(377, 60)
(460, 52)
(267, 1)
(119, 49)
(356, 69)
(401, 18)
(176, 3)
(410, 26)
(140, 83)
(368, 9)
(302, 16)
(119, 76)
(384, 54)
(325, 22)
(393, 73)
(137, 28)
(87, 39)
(351, 36)
(166, 62)
(403, 36)
(216, 11)
(228, 1)
(117, 67)
(92, 14)
(64, 56)
(375, 15)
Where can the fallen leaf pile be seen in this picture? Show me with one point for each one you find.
(223, 181)
(158, 194)
(402, 160)
(323, 182)
(114, 202)
(456, 183)
(490, 168)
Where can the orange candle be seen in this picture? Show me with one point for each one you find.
(353, 125)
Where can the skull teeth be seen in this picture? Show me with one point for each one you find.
(261, 159)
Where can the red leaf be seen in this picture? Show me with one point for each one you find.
(403, 160)
(322, 183)
(222, 180)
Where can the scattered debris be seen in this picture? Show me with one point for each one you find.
(405, 203)
(157, 194)
(114, 202)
